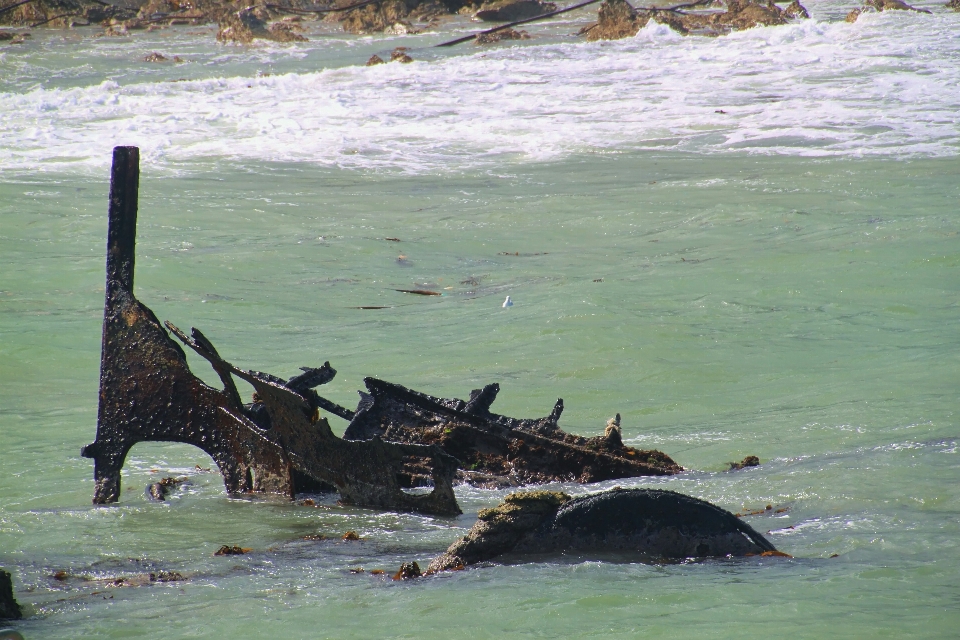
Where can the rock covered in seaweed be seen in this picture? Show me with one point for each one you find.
(633, 524)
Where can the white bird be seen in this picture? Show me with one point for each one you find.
(507, 303)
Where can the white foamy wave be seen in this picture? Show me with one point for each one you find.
(887, 85)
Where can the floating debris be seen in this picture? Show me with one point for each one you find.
(235, 550)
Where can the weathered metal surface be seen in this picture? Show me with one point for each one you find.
(366, 473)
(148, 394)
(497, 450)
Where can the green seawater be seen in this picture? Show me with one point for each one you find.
(801, 310)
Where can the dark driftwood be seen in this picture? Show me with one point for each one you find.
(496, 450)
(148, 394)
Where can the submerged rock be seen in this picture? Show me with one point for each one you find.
(503, 34)
(9, 608)
(749, 461)
(954, 4)
(634, 524)
(510, 10)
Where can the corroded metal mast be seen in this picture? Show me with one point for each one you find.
(147, 392)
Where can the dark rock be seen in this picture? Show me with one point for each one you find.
(155, 57)
(374, 60)
(399, 55)
(509, 11)
(244, 26)
(617, 19)
(9, 608)
(503, 34)
(227, 550)
(883, 5)
(160, 490)
(63, 13)
(407, 571)
(749, 461)
(954, 4)
(630, 524)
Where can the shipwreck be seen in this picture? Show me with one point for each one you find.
(279, 443)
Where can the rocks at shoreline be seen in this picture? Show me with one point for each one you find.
(631, 523)
(247, 24)
(887, 5)
(63, 14)
(510, 10)
(618, 19)
(953, 4)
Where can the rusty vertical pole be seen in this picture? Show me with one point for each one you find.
(121, 253)
(122, 230)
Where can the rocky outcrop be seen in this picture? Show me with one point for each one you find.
(395, 16)
(9, 608)
(510, 10)
(617, 19)
(954, 4)
(63, 13)
(885, 5)
(630, 524)
(502, 34)
(248, 24)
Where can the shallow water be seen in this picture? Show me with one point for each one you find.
(794, 300)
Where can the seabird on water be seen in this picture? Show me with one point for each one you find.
(507, 303)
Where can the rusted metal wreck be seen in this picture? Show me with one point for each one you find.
(279, 443)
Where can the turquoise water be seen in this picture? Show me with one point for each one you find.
(797, 303)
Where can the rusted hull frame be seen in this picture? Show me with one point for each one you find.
(365, 473)
(148, 394)
(499, 450)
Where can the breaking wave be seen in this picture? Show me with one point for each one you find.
(888, 85)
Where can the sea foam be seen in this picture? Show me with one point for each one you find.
(887, 85)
